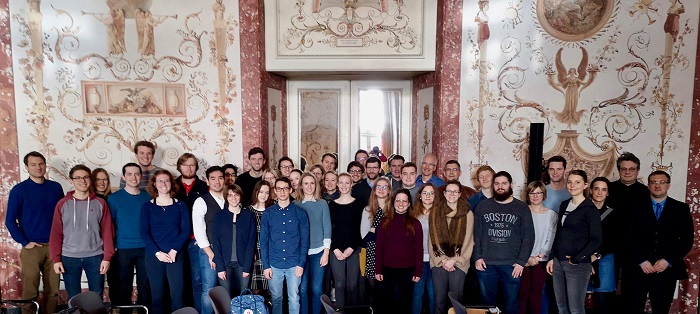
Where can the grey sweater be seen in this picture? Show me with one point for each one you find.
(503, 233)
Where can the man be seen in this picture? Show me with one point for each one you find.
(329, 162)
(556, 189)
(658, 238)
(230, 173)
(81, 235)
(361, 189)
(30, 210)
(285, 166)
(628, 187)
(284, 243)
(452, 172)
(395, 163)
(504, 236)
(409, 172)
(248, 179)
(204, 213)
(144, 151)
(485, 175)
(190, 188)
(427, 168)
(361, 156)
(125, 207)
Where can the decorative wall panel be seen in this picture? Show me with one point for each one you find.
(612, 72)
(322, 35)
(274, 123)
(424, 125)
(319, 123)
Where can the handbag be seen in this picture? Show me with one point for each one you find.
(248, 303)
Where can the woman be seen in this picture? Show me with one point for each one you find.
(317, 171)
(371, 215)
(165, 227)
(329, 191)
(100, 182)
(426, 199)
(451, 244)
(399, 254)
(233, 223)
(259, 202)
(535, 273)
(604, 288)
(345, 242)
(319, 243)
(295, 178)
(270, 176)
(579, 235)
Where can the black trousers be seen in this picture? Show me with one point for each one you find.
(397, 290)
(636, 284)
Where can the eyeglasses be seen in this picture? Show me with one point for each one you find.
(355, 171)
(451, 169)
(536, 193)
(633, 169)
(286, 167)
(662, 182)
(284, 189)
(85, 178)
(453, 192)
(382, 187)
(362, 159)
(428, 193)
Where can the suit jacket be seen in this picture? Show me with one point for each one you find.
(222, 244)
(670, 237)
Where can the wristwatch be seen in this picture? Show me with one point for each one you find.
(597, 255)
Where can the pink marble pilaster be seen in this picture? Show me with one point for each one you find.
(448, 72)
(10, 284)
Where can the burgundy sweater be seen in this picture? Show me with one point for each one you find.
(397, 247)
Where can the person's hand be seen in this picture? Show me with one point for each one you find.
(379, 277)
(298, 271)
(415, 279)
(58, 268)
(449, 265)
(593, 258)
(324, 258)
(338, 254)
(550, 267)
(211, 263)
(222, 275)
(480, 264)
(165, 258)
(172, 254)
(660, 265)
(373, 229)
(647, 268)
(104, 267)
(592, 270)
(570, 262)
(517, 270)
(532, 261)
(268, 273)
(245, 275)
(31, 245)
(348, 252)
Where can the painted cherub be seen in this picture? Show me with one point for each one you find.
(571, 83)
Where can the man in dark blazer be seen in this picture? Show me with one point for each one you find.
(659, 235)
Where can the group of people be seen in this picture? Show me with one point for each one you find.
(398, 242)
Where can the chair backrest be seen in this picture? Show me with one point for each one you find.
(89, 302)
(186, 310)
(459, 308)
(327, 304)
(221, 300)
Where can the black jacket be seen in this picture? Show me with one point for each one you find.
(581, 234)
(200, 188)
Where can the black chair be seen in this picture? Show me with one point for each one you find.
(19, 305)
(221, 300)
(327, 304)
(459, 308)
(331, 309)
(91, 303)
(186, 310)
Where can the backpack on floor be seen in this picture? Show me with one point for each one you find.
(248, 303)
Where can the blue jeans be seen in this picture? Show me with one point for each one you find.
(489, 280)
(313, 276)
(570, 283)
(193, 256)
(426, 281)
(74, 271)
(606, 273)
(234, 283)
(208, 282)
(276, 288)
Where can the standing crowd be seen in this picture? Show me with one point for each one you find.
(398, 242)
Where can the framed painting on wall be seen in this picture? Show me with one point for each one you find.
(128, 99)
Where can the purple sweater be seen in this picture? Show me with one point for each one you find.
(397, 247)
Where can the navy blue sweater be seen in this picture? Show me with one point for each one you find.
(165, 227)
(223, 239)
(30, 210)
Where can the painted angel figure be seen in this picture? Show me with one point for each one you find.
(114, 23)
(571, 83)
(145, 23)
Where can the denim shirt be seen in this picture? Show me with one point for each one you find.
(284, 237)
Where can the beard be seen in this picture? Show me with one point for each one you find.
(502, 196)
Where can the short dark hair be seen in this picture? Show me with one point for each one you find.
(213, 169)
(659, 172)
(131, 164)
(283, 179)
(183, 158)
(256, 150)
(503, 174)
(279, 162)
(332, 155)
(579, 173)
(33, 154)
(145, 144)
(78, 167)
(356, 163)
(372, 160)
(230, 166)
(361, 151)
(396, 157)
(556, 159)
(627, 156)
(455, 162)
(600, 179)
(409, 164)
